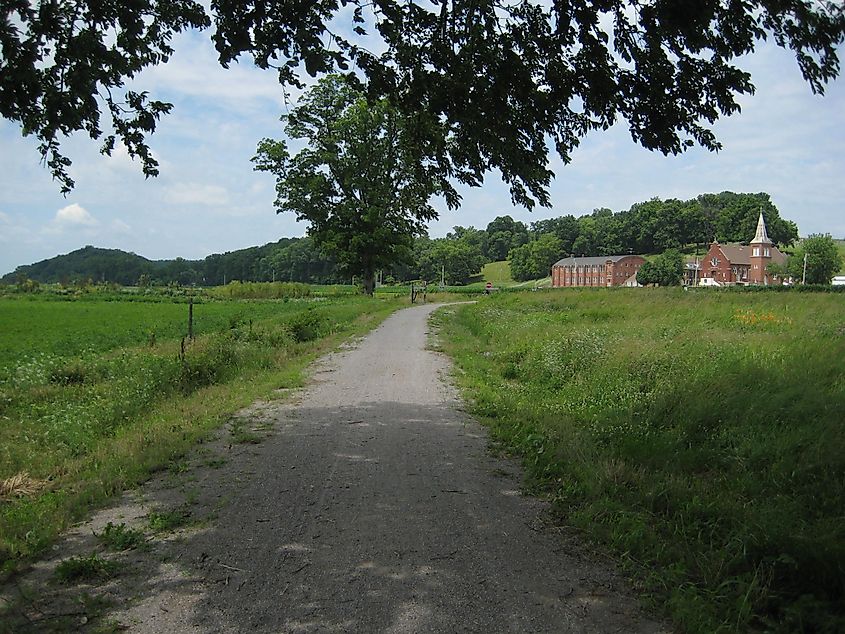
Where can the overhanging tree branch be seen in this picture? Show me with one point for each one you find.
(503, 81)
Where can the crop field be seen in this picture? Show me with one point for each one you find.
(94, 395)
(71, 328)
(697, 435)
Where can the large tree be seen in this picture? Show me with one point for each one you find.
(360, 181)
(667, 269)
(823, 259)
(534, 260)
(503, 234)
(504, 77)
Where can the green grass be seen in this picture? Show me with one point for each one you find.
(86, 425)
(697, 435)
(167, 521)
(121, 537)
(36, 328)
(499, 273)
(261, 290)
(91, 568)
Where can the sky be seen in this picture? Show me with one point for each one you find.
(786, 141)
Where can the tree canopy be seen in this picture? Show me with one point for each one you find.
(534, 260)
(359, 182)
(499, 79)
(455, 259)
(667, 269)
(823, 259)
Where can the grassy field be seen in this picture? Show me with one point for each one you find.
(71, 328)
(698, 435)
(91, 403)
(499, 274)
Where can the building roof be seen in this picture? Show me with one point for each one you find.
(600, 259)
(778, 257)
(740, 254)
(737, 253)
(760, 236)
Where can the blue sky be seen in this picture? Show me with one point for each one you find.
(787, 142)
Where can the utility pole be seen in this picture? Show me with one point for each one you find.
(443, 275)
(804, 276)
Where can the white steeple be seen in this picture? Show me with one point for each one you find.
(760, 237)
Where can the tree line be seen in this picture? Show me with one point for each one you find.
(289, 259)
(649, 227)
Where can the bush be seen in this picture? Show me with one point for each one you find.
(308, 325)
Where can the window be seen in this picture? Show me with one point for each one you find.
(756, 252)
(767, 253)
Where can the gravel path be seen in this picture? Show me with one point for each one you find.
(375, 506)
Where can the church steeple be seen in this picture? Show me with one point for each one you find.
(761, 237)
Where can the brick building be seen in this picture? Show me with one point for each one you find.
(610, 270)
(742, 264)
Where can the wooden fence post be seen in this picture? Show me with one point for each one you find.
(191, 318)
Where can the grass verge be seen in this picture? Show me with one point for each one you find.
(698, 435)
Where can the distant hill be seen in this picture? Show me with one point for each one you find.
(99, 265)
(289, 259)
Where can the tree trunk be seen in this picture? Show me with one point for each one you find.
(369, 283)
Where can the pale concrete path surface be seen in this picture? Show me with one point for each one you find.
(375, 506)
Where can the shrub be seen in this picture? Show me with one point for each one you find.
(308, 325)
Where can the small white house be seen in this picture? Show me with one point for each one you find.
(838, 280)
(632, 282)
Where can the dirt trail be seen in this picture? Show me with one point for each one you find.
(373, 506)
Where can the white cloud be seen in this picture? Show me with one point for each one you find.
(5, 218)
(118, 226)
(194, 72)
(197, 194)
(74, 215)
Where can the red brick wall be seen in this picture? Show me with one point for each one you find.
(721, 272)
(617, 273)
